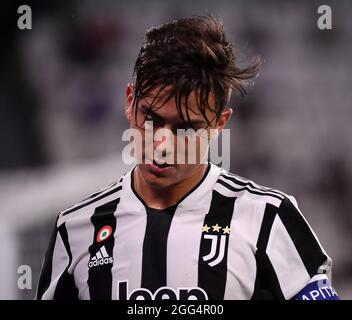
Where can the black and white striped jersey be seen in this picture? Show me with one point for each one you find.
(228, 238)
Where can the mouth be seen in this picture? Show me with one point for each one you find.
(160, 168)
(163, 165)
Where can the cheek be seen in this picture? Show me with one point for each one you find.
(185, 171)
(199, 145)
(136, 119)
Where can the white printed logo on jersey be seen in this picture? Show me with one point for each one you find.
(100, 258)
(218, 244)
(163, 293)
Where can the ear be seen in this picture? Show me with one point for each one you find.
(223, 119)
(129, 101)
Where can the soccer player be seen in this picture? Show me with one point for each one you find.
(187, 230)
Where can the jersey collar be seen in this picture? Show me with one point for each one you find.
(131, 202)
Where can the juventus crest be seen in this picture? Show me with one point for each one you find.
(218, 237)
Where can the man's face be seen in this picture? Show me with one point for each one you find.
(162, 143)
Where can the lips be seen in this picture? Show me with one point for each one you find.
(164, 165)
(159, 168)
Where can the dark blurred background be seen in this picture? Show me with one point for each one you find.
(62, 87)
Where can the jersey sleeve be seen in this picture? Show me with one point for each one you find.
(291, 263)
(55, 282)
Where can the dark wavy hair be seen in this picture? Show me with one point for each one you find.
(190, 54)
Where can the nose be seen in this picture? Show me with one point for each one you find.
(164, 143)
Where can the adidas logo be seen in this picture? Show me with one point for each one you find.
(100, 258)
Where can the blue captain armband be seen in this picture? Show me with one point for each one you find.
(318, 288)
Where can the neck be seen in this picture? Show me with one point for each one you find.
(161, 198)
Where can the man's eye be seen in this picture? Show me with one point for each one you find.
(156, 122)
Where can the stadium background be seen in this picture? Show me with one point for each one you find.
(62, 99)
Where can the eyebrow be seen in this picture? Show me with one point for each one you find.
(150, 111)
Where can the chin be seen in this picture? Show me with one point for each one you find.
(157, 182)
